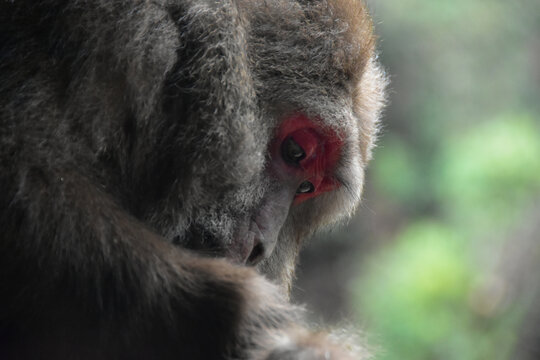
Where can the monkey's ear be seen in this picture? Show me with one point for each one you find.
(357, 40)
(369, 99)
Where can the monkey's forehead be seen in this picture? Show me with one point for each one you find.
(332, 39)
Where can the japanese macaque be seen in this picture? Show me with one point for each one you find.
(161, 162)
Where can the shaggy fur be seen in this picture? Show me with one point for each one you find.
(132, 130)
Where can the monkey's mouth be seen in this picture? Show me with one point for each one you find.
(245, 246)
(253, 234)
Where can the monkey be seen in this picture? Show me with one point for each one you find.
(161, 163)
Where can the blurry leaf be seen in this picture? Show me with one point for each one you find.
(415, 295)
(396, 173)
(491, 171)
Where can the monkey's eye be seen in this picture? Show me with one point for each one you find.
(305, 188)
(291, 151)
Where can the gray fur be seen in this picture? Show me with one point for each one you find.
(130, 130)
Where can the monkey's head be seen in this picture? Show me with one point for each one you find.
(290, 158)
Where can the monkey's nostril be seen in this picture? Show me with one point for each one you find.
(257, 254)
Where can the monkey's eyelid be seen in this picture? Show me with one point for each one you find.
(291, 151)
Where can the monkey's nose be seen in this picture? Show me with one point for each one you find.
(262, 245)
(267, 221)
(257, 254)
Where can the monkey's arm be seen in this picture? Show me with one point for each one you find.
(85, 278)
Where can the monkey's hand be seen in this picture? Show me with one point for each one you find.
(301, 344)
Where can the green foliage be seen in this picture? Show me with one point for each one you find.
(492, 171)
(396, 172)
(417, 297)
(459, 165)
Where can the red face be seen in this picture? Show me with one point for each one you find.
(306, 154)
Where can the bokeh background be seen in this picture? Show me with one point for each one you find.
(442, 260)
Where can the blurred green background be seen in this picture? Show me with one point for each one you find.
(442, 260)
